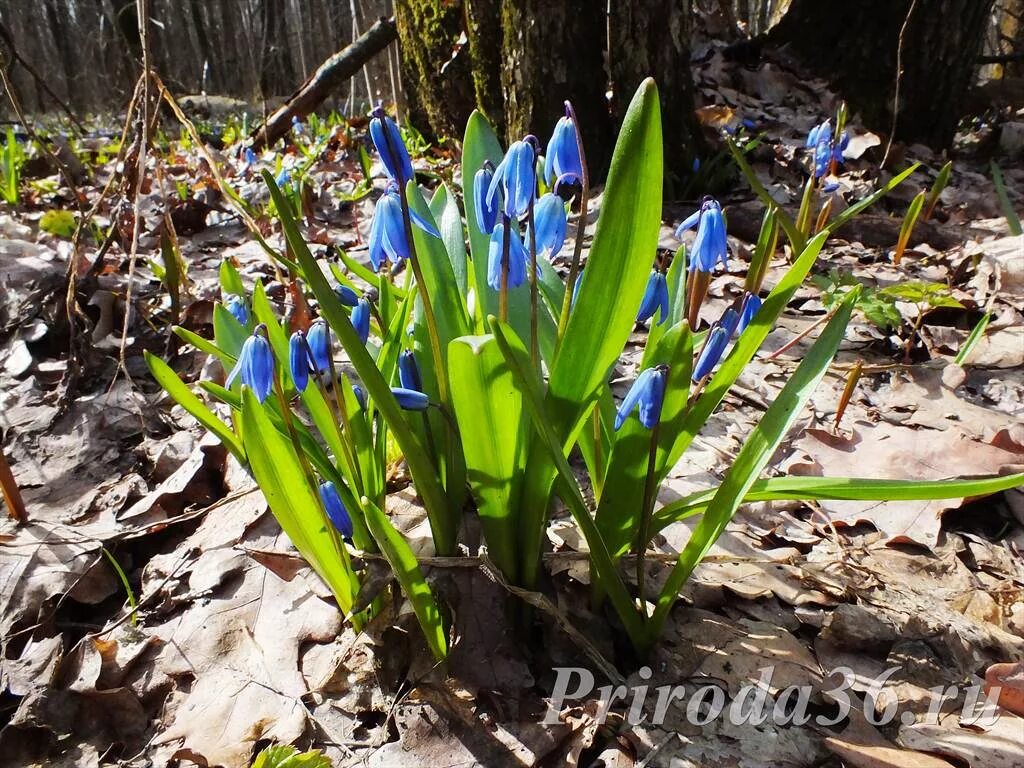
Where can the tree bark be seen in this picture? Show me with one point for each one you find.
(653, 39)
(276, 71)
(854, 44)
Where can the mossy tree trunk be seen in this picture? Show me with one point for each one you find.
(653, 39)
(854, 44)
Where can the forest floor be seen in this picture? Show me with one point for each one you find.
(235, 644)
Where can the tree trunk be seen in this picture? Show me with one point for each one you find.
(854, 44)
(653, 39)
(276, 73)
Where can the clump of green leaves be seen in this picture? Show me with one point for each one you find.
(12, 158)
(285, 756)
(58, 222)
(879, 308)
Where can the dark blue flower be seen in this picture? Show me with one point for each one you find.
(714, 347)
(549, 218)
(751, 305)
(346, 295)
(235, 305)
(822, 159)
(487, 208)
(298, 360)
(409, 371)
(387, 232)
(410, 399)
(730, 320)
(830, 184)
(655, 298)
(515, 179)
(255, 366)
(517, 258)
(319, 340)
(711, 244)
(388, 141)
(361, 319)
(335, 509)
(283, 178)
(840, 147)
(562, 160)
(821, 133)
(360, 396)
(648, 391)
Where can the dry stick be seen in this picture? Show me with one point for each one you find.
(899, 79)
(796, 339)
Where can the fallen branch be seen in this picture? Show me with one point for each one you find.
(327, 77)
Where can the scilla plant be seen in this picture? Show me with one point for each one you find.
(485, 370)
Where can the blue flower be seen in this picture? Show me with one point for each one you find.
(751, 306)
(346, 295)
(821, 133)
(410, 399)
(831, 184)
(840, 147)
(549, 219)
(235, 305)
(335, 509)
(487, 208)
(283, 178)
(718, 340)
(562, 160)
(648, 391)
(360, 396)
(517, 257)
(730, 320)
(319, 340)
(822, 158)
(655, 298)
(298, 360)
(387, 232)
(388, 141)
(361, 320)
(297, 127)
(409, 371)
(255, 366)
(250, 156)
(515, 178)
(710, 245)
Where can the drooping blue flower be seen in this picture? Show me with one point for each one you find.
(515, 180)
(549, 218)
(487, 208)
(410, 399)
(250, 156)
(361, 320)
(562, 160)
(648, 391)
(751, 306)
(387, 232)
(409, 371)
(335, 509)
(298, 360)
(235, 305)
(388, 141)
(319, 340)
(711, 244)
(360, 396)
(517, 257)
(283, 178)
(818, 134)
(346, 295)
(714, 347)
(255, 365)
(655, 298)
(730, 320)
(822, 158)
(840, 147)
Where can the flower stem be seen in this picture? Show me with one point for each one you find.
(581, 224)
(534, 343)
(642, 534)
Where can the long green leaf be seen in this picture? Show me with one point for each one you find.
(177, 389)
(407, 570)
(518, 361)
(442, 522)
(754, 455)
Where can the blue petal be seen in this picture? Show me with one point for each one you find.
(651, 399)
(335, 509)
(393, 154)
(410, 399)
(346, 295)
(361, 320)
(425, 224)
(751, 305)
(259, 367)
(409, 371)
(319, 340)
(517, 257)
(729, 321)
(549, 217)
(712, 352)
(651, 300)
(486, 214)
(298, 361)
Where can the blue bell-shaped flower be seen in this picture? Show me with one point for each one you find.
(648, 391)
(549, 219)
(517, 258)
(388, 141)
(562, 160)
(346, 295)
(298, 360)
(655, 298)
(487, 208)
(250, 156)
(730, 320)
(387, 232)
(361, 319)
(335, 509)
(319, 340)
(410, 399)
(751, 305)
(360, 396)
(711, 244)
(409, 371)
(255, 365)
(714, 347)
(235, 305)
(515, 180)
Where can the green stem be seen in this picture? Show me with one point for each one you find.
(534, 343)
(646, 511)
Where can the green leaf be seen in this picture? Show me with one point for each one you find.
(800, 488)
(518, 361)
(205, 345)
(59, 223)
(184, 396)
(489, 410)
(230, 280)
(284, 756)
(973, 339)
(407, 570)
(480, 145)
(449, 223)
(228, 333)
(1012, 219)
(442, 521)
(797, 241)
(296, 505)
(754, 456)
(870, 200)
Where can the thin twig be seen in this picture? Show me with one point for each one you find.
(899, 79)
